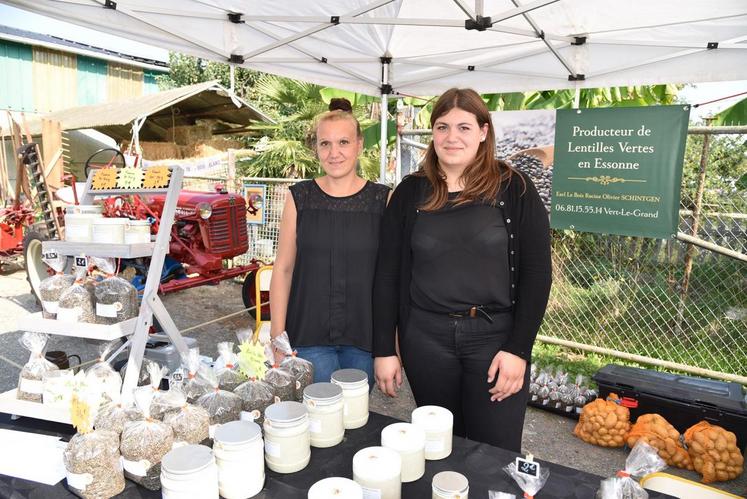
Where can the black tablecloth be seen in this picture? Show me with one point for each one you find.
(481, 463)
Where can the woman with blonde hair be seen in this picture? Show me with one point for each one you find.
(463, 276)
(322, 277)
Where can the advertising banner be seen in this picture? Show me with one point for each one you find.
(619, 170)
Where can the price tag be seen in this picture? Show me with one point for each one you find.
(130, 178)
(105, 178)
(49, 255)
(155, 177)
(81, 262)
(252, 359)
(177, 377)
(527, 466)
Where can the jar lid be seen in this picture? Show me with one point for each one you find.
(110, 221)
(322, 393)
(286, 412)
(187, 459)
(143, 223)
(76, 209)
(433, 418)
(403, 437)
(237, 433)
(379, 462)
(349, 378)
(336, 486)
(450, 482)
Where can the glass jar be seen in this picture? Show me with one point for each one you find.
(239, 454)
(287, 439)
(438, 424)
(449, 485)
(377, 470)
(409, 441)
(354, 384)
(189, 471)
(335, 487)
(325, 406)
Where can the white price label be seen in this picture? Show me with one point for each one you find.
(136, 468)
(79, 481)
(108, 310)
(272, 449)
(434, 445)
(369, 493)
(315, 425)
(31, 386)
(68, 314)
(50, 306)
(211, 430)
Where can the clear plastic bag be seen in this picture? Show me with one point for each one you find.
(144, 443)
(256, 395)
(92, 463)
(92, 460)
(191, 423)
(76, 303)
(221, 406)
(51, 288)
(31, 379)
(115, 298)
(494, 494)
(195, 383)
(282, 382)
(530, 485)
(58, 388)
(641, 461)
(112, 416)
(301, 369)
(103, 376)
(164, 401)
(227, 367)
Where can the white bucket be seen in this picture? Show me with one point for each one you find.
(79, 227)
(109, 230)
(189, 471)
(137, 232)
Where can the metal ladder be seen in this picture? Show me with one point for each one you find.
(29, 154)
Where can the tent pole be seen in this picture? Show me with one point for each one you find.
(383, 118)
(577, 97)
(232, 75)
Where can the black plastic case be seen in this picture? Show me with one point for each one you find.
(681, 400)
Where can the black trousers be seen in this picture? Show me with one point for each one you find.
(447, 359)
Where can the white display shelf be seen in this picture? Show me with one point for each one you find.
(99, 249)
(9, 404)
(36, 323)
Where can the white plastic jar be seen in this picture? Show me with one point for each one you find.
(335, 487)
(438, 424)
(79, 227)
(377, 471)
(137, 232)
(239, 454)
(189, 471)
(354, 384)
(287, 440)
(324, 403)
(449, 485)
(84, 209)
(108, 230)
(409, 441)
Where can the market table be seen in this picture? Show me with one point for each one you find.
(480, 463)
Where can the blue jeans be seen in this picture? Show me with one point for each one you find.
(329, 358)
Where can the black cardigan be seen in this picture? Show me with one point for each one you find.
(529, 257)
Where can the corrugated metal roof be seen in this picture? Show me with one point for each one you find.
(163, 110)
(55, 42)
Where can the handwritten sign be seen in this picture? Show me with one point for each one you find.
(105, 178)
(130, 178)
(156, 177)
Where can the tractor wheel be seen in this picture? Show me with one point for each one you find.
(248, 295)
(36, 269)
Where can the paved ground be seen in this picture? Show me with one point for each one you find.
(546, 435)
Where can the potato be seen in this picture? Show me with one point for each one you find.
(603, 422)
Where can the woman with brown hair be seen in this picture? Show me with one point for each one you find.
(463, 276)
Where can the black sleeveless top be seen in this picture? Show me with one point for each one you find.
(337, 239)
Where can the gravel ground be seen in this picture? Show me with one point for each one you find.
(546, 435)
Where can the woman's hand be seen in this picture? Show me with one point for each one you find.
(388, 374)
(511, 369)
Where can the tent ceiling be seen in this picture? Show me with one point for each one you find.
(181, 106)
(526, 45)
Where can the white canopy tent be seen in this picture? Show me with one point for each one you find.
(423, 47)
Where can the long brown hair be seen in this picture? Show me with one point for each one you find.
(484, 176)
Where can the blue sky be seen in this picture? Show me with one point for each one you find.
(21, 19)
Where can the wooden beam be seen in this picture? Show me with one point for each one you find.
(52, 143)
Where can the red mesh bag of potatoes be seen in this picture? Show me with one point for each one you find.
(604, 422)
(714, 452)
(659, 434)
